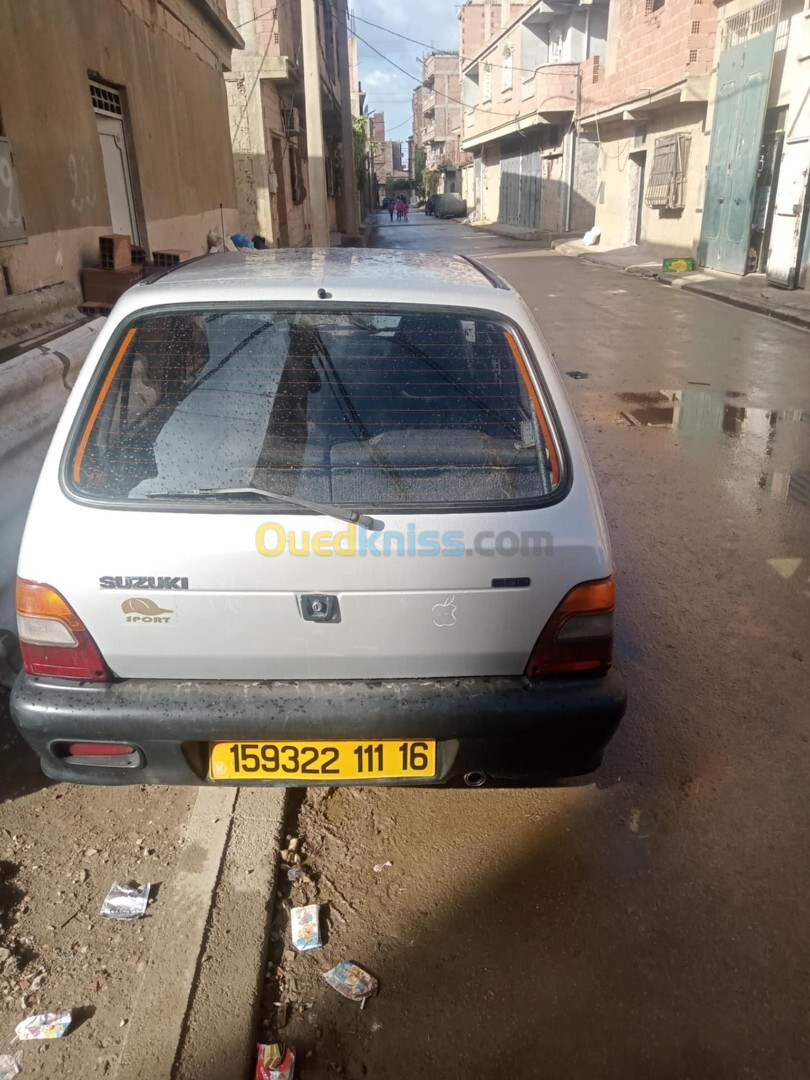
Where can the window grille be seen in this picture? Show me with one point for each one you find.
(666, 189)
(757, 20)
(696, 26)
(693, 55)
(106, 100)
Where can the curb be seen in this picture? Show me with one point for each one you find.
(797, 320)
(800, 321)
(222, 1021)
(196, 1011)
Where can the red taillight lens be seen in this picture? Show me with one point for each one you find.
(53, 639)
(578, 638)
(99, 749)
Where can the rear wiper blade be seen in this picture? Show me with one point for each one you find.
(350, 516)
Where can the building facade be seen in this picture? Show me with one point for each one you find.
(645, 102)
(268, 123)
(113, 117)
(376, 136)
(531, 167)
(437, 118)
(702, 116)
(482, 20)
(756, 208)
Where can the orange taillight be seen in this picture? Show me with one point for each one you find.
(40, 601)
(53, 639)
(578, 638)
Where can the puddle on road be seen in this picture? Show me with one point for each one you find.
(779, 438)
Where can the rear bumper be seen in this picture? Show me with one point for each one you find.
(505, 727)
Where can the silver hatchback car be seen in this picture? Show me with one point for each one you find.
(317, 517)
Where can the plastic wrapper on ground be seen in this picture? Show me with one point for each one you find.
(44, 1026)
(9, 1067)
(351, 981)
(275, 1061)
(128, 901)
(305, 925)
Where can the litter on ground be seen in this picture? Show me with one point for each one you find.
(275, 1062)
(44, 1026)
(351, 981)
(9, 1067)
(305, 927)
(127, 901)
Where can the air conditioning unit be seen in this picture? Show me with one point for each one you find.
(292, 124)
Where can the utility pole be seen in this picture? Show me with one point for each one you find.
(312, 95)
(351, 232)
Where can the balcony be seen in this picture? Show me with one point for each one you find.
(555, 90)
(551, 94)
(428, 103)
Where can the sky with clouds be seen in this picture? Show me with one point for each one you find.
(387, 90)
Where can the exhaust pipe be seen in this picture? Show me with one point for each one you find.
(475, 779)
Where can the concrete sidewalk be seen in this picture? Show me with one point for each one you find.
(751, 292)
(518, 232)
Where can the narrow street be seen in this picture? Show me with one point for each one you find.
(647, 921)
(650, 921)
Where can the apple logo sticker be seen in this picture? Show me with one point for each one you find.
(444, 614)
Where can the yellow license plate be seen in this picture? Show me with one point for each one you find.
(384, 759)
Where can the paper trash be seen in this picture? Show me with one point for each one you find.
(44, 1026)
(275, 1062)
(351, 981)
(9, 1067)
(126, 901)
(306, 930)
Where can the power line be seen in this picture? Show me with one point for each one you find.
(388, 60)
(432, 48)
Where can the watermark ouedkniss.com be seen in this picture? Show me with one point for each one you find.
(273, 539)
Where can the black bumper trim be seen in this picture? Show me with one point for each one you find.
(505, 726)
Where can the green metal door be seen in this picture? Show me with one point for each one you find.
(743, 77)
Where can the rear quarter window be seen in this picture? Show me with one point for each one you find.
(389, 408)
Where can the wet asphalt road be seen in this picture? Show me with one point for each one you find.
(654, 922)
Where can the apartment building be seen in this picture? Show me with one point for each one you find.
(386, 154)
(268, 123)
(531, 167)
(437, 118)
(645, 101)
(756, 205)
(482, 20)
(376, 138)
(113, 117)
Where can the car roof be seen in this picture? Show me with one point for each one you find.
(297, 274)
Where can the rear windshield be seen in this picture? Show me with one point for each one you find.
(360, 409)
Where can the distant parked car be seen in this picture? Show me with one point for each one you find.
(317, 517)
(450, 205)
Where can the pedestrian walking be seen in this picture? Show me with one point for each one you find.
(405, 208)
(400, 206)
(391, 208)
